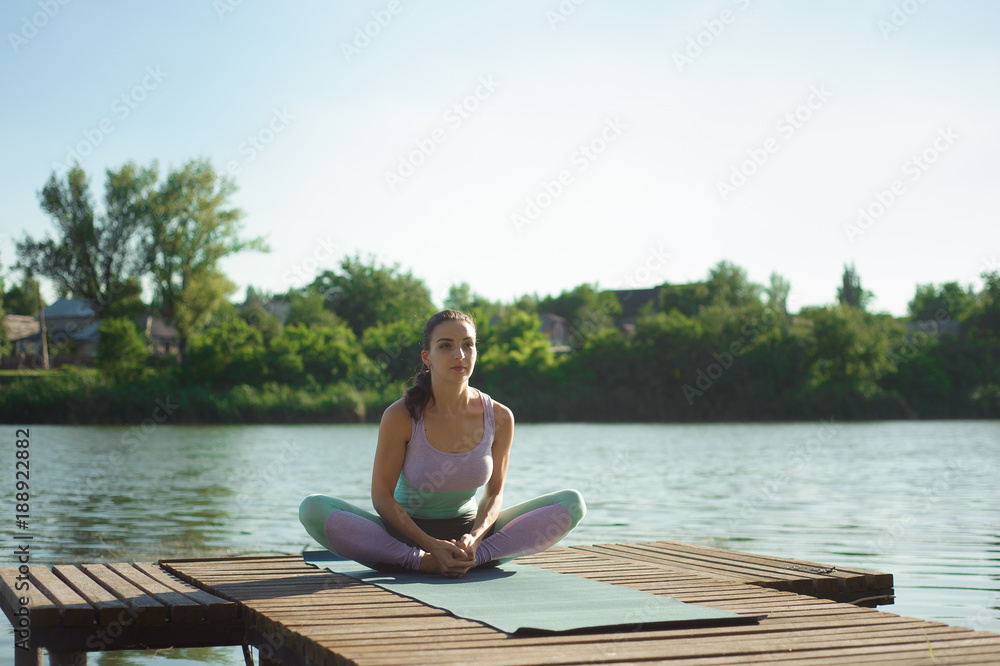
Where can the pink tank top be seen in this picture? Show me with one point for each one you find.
(437, 484)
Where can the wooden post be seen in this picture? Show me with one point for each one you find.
(44, 333)
(67, 658)
(29, 657)
(264, 660)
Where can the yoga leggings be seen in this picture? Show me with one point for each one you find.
(359, 535)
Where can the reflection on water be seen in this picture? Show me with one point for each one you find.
(914, 499)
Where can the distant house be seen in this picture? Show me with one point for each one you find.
(280, 308)
(932, 327)
(25, 333)
(558, 331)
(165, 340)
(632, 301)
(72, 319)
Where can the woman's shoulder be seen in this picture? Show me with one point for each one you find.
(397, 416)
(502, 414)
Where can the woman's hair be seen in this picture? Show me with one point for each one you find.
(418, 395)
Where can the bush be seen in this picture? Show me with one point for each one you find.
(121, 351)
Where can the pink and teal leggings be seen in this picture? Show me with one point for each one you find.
(359, 535)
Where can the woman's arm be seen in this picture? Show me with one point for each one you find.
(393, 434)
(492, 501)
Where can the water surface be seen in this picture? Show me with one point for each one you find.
(916, 499)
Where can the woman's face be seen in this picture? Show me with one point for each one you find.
(452, 353)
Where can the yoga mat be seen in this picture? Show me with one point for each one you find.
(521, 599)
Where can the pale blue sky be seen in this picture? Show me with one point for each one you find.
(869, 94)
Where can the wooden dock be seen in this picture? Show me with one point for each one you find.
(73, 609)
(297, 615)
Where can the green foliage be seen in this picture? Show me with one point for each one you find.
(23, 299)
(777, 294)
(306, 307)
(984, 318)
(5, 344)
(461, 297)
(393, 352)
(852, 347)
(121, 350)
(127, 301)
(226, 355)
(728, 285)
(363, 294)
(947, 302)
(588, 311)
(93, 253)
(327, 354)
(192, 230)
(850, 292)
(688, 299)
(514, 354)
(706, 351)
(254, 313)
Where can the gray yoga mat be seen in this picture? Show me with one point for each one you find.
(523, 599)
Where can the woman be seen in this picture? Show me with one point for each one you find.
(436, 447)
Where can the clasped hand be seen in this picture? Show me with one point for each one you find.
(455, 557)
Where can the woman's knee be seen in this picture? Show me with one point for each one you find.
(573, 502)
(313, 507)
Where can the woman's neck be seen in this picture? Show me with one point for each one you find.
(451, 398)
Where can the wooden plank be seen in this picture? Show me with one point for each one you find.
(777, 565)
(763, 575)
(215, 608)
(874, 579)
(74, 609)
(180, 608)
(42, 611)
(324, 620)
(145, 608)
(109, 608)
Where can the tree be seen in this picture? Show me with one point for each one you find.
(226, 355)
(851, 293)
(777, 294)
(23, 299)
(728, 284)
(257, 315)
(984, 318)
(587, 310)
(393, 349)
(128, 301)
(4, 341)
(329, 354)
(306, 307)
(93, 254)
(192, 230)
(461, 297)
(363, 294)
(852, 346)
(947, 302)
(121, 351)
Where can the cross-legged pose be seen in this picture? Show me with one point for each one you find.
(436, 447)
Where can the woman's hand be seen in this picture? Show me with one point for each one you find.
(469, 544)
(447, 558)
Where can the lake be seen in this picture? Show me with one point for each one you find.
(916, 499)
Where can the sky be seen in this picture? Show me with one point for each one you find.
(531, 147)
